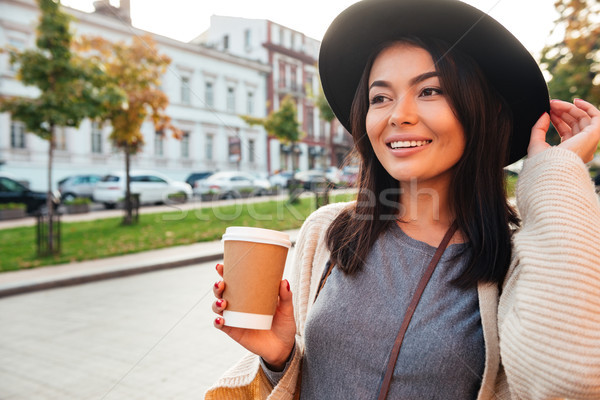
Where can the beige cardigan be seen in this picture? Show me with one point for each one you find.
(542, 334)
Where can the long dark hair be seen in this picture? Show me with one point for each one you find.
(477, 191)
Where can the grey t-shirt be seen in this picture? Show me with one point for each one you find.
(353, 324)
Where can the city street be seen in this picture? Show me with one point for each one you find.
(148, 336)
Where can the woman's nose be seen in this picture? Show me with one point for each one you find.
(404, 112)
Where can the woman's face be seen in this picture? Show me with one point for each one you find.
(412, 129)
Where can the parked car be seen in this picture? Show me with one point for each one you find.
(196, 176)
(349, 176)
(312, 178)
(333, 175)
(261, 179)
(12, 191)
(231, 184)
(281, 179)
(78, 186)
(153, 188)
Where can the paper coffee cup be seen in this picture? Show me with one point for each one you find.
(254, 261)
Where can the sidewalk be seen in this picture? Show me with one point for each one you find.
(30, 280)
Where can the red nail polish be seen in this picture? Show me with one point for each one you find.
(219, 321)
(288, 285)
(217, 267)
(217, 285)
(220, 303)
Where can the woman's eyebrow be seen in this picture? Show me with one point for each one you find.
(423, 77)
(413, 81)
(379, 84)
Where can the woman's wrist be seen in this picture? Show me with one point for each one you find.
(278, 365)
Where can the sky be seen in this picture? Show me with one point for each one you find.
(529, 20)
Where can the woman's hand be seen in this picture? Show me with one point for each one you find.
(275, 345)
(578, 125)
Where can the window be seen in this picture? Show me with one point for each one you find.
(158, 144)
(185, 145)
(309, 80)
(294, 78)
(250, 103)
(226, 42)
(18, 44)
(17, 135)
(247, 39)
(209, 94)
(96, 138)
(310, 130)
(209, 147)
(185, 90)
(60, 139)
(281, 74)
(251, 149)
(8, 185)
(230, 99)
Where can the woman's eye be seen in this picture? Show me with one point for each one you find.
(430, 92)
(377, 99)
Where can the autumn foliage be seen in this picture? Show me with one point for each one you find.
(574, 62)
(136, 69)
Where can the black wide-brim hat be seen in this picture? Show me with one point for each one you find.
(508, 66)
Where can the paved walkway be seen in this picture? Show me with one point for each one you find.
(142, 337)
(25, 281)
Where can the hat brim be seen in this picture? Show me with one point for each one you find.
(509, 67)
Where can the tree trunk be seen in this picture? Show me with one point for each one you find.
(49, 196)
(128, 219)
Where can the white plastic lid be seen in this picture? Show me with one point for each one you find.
(257, 235)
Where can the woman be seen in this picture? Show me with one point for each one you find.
(439, 98)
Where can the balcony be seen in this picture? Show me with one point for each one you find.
(283, 87)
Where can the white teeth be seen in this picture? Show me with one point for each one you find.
(407, 143)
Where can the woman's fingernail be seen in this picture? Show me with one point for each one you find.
(219, 321)
(217, 285)
(217, 267)
(220, 303)
(288, 284)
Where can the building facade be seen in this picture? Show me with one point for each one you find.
(208, 90)
(292, 57)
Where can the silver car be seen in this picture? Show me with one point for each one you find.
(78, 186)
(231, 184)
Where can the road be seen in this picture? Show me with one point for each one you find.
(148, 336)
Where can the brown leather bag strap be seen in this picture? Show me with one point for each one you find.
(387, 379)
(328, 268)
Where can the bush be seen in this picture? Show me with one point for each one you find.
(13, 206)
(77, 201)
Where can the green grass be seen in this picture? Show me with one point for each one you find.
(107, 237)
(511, 185)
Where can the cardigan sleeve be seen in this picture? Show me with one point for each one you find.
(549, 310)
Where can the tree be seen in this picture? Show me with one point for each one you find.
(282, 123)
(71, 88)
(136, 69)
(574, 63)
